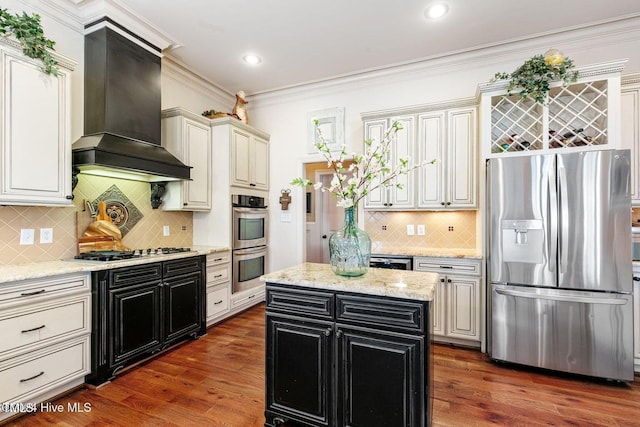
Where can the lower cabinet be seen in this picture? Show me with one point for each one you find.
(218, 286)
(457, 305)
(45, 345)
(141, 310)
(341, 359)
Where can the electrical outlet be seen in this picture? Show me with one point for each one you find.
(410, 230)
(46, 235)
(165, 230)
(384, 228)
(421, 230)
(27, 236)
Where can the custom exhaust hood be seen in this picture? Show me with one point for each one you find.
(122, 109)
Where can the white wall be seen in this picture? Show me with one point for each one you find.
(283, 114)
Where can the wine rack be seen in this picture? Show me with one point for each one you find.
(584, 115)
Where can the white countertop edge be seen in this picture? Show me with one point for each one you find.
(36, 270)
(377, 281)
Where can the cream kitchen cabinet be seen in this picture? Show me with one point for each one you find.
(249, 150)
(584, 115)
(46, 338)
(35, 140)
(401, 194)
(457, 304)
(218, 286)
(188, 137)
(630, 129)
(450, 137)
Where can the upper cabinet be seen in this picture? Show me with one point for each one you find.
(35, 140)
(630, 129)
(446, 132)
(582, 116)
(249, 157)
(449, 136)
(403, 145)
(188, 137)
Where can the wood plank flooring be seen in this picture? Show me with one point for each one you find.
(218, 380)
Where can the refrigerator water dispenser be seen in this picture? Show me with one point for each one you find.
(522, 241)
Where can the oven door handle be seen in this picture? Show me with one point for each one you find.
(251, 251)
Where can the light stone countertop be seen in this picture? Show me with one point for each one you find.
(35, 270)
(428, 252)
(377, 281)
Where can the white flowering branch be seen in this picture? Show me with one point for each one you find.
(367, 172)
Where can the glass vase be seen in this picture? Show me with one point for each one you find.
(350, 247)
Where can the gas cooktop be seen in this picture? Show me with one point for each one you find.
(107, 256)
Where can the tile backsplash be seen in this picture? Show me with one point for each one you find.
(450, 230)
(70, 222)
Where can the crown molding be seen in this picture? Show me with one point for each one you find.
(630, 79)
(171, 67)
(418, 109)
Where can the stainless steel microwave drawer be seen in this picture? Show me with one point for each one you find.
(300, 301)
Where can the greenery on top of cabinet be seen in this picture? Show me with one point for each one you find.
(27, 29)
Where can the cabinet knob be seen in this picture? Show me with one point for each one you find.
(442, 280)
(338, 333)
(252, 185)
(69, 197)
(448, 203)
(448, 280)
(185, 204)
(327, 332)
(324, 236)
(636, 278)
(442, 203)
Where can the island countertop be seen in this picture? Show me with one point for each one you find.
(377, 281)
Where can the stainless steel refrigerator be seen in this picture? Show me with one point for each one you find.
(559, 262)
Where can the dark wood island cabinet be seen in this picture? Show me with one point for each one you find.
(348, 351)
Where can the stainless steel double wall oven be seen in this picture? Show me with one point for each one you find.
(250, 225)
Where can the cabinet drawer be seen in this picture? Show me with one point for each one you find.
(248, 298)
(218, 274)
(217, 301)
(399, 315)
(448, 265)
(182, 266)
(300, 302)
(219, 258)
(38, 372)
(38, 289)
(44, 323)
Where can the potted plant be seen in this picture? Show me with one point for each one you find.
(28, 31)
(534, 76)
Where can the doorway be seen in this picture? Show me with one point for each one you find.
(323, 215)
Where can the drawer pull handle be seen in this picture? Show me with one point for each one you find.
(32, 329)
(446, 266)
(216, 303)
(217, 275)
(28, 294)
(218, 259)
(251, 296)
(32, 378)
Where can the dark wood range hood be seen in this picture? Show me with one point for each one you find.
(122, 108)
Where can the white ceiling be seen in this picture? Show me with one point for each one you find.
(302, 41)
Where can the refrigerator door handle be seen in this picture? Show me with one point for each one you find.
(563, 218)
(552, 215)
(559, 297)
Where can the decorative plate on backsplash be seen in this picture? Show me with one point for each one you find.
(120, 209)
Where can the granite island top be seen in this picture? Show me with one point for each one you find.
(377, 281)
(428, 252)
(35, 270)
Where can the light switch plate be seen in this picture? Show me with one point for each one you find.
(285, 217)
(165, 230)
(27, 236)
(421, 230)
(410, 230)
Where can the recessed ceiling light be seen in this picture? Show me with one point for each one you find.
(436, 10)
(252, 59)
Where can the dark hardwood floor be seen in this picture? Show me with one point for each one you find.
(218, 380)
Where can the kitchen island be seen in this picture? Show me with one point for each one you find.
(348, 350)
